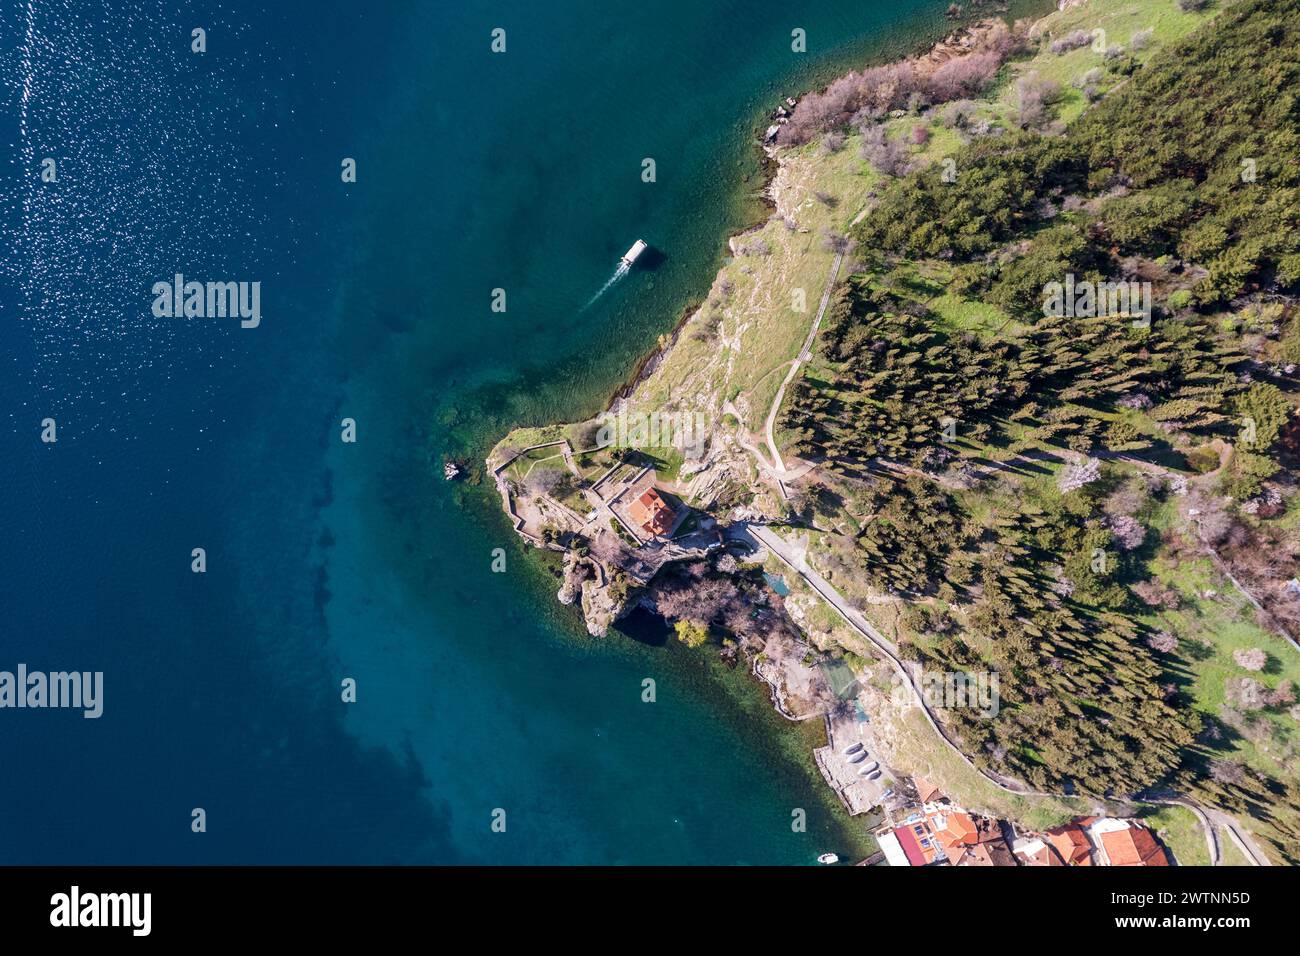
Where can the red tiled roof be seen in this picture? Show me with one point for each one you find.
(1134, 846)
(911, 849)
(958, 830)
(984, 854)
(652, 513)
(1071, 843)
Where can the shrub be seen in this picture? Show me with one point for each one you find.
(1244, 693)
(886, 156)
(1252, 659)
(1245, 477)
(690, 633)
(1034, 97)
(1155, 593)
(1202, 459)
(957, 115)
(1163, 641)
(1128, 531)
(964, 76)
(1071, 41)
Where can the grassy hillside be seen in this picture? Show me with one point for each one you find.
(1071, 502)
(1099, 508)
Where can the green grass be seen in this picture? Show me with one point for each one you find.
(1120, 19)
(550, 457)
(925, 754)
(963, 315)
(739, 343)
(1229, 853)
(1180, 831)
(1210, 630)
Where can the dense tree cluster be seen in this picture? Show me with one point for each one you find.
(1213, 179)
(1199, 194)
(1082, 703)
(864, 97)
(906, 384)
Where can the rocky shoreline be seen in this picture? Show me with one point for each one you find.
(598, 580)
(959, 42)
(712, 569)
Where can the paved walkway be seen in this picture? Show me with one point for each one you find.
(793, 557)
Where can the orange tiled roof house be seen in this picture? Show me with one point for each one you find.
(652, 513)
(1125, 843)
(1071, 843)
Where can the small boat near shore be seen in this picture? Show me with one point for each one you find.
(828, 858)
(450, 471)
(631, 255)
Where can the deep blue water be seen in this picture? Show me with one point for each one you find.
(325, 560)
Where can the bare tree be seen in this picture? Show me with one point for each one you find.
(1252, 659)
(886, 156)
(1034, 97)
(835, 242)
(1163, 641)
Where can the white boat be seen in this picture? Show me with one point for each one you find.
(869, 767)
(630, 256)
(852, 748)
(450, 471)
(858, 757)
(828, 858)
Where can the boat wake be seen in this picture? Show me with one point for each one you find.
(623, 269)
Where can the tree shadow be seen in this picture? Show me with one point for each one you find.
(644, 628)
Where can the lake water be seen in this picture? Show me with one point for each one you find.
(475, 691)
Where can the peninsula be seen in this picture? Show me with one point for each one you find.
(1035, 567)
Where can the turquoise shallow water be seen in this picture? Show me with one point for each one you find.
(476, 691)
(518, 708)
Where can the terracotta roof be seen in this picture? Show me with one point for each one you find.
(1038, 853)
(991, 853)
(953, 828)
(925, 790)
(652, 513)
(1133, 846)
(1071, 843)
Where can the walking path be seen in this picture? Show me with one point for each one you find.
(805, 353)
(794, 558)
